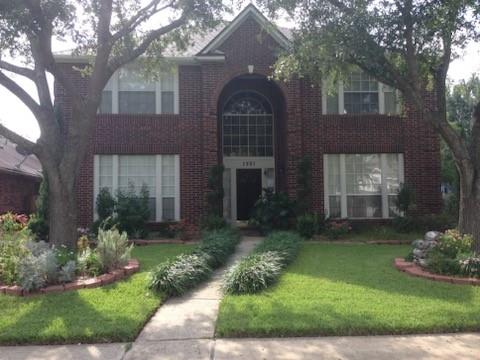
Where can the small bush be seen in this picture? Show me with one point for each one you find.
(273, 211)
(470, 265)
(438, 263)
(452, 243)
(213, 222)
(179, 275)
(404, 224)
(261, 269)
(217, 246)
(113, 249)
(133, 212)
(337, 229)
(88, 263)
(253, 273)
(308, 225)
(405, 199)
(32, 273)
(12, 250)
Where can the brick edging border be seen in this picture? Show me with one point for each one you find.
(132, 267)
(413, 269)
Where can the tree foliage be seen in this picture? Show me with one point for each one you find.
(110, 34)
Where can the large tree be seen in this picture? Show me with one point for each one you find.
(407, 44)
(112, 33)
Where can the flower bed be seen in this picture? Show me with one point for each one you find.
(80, 283)
(415, 270)
(28, 266)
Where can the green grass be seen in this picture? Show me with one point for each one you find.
(116, 312)
(338, 289)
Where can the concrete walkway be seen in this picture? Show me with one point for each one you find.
(183, 328)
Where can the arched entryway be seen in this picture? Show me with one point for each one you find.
(251, 112)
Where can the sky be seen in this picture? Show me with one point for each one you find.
(18, 117)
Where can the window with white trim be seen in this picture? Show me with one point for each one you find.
(129, 91)
(360, 94)
(160, 174)
(362, 185)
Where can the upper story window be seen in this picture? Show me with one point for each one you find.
(129, 91)
(247, 125)
(360, 94)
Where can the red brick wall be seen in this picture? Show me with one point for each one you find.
(194, 132)
(18, 193)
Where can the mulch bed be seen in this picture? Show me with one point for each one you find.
(414, 270)
(81, 283)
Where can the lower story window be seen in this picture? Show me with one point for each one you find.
(159, 174)
(362, 185)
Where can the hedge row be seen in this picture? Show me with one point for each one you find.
(184, 272)
(263, 267)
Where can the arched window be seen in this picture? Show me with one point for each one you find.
(247, 125)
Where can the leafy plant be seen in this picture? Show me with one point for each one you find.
(177, 276)
(470, 265)
(213, 222)
(304, 185)
(38, 222)
(215, 190)
(309, 224)
(337, 229)
(12, 250)
(32, 273)
(452, 243)
(105, 204)
(133, 211)
(405, 198)
(113, 249)
(88, 263)
(10, 222)
(253, 273)
(67, 272)
(273, 211)
(257, 271)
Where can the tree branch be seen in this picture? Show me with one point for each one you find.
(25, 144)
(19, 70)
(153, 35)
(17, 90)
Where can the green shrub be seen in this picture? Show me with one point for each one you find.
(470, 265)
(337, 229)
(213, 222)
(304, 185)
(12, 250)
(133, 212)
(439, 263)
(38, 223)
(257, 271)
(32, 272)
(309, 224)
(113, 249)
(215, 192)
(253, 273)
(273, 211)
(452, 243)
(88, 263)
(405, 198)
(67, 272)
(285, 243)
(217, 246)
(404, 224)
(105, 204)
(177, 276)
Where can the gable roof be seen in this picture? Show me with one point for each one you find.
(202, 43)
(11, 161)
(253, 12)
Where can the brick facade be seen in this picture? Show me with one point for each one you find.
(301, 130)
(18, 193)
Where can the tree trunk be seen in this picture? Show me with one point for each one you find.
(469, 213)
(62, 209)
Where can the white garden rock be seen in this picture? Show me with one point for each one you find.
(422, 247)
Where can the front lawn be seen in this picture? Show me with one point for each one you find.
(112, 313)
(339, 289)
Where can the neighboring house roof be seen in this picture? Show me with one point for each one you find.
(11, 161)
(204, 45)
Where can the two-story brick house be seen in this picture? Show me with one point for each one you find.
(219, 105)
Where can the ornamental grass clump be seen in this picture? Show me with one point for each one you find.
(258, 271)
(113, 249)
(184, 272)
(177, 276)
(254, 273)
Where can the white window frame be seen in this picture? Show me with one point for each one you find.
(158, 93)
(343, 185)
(382, 89)
(158, 182)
